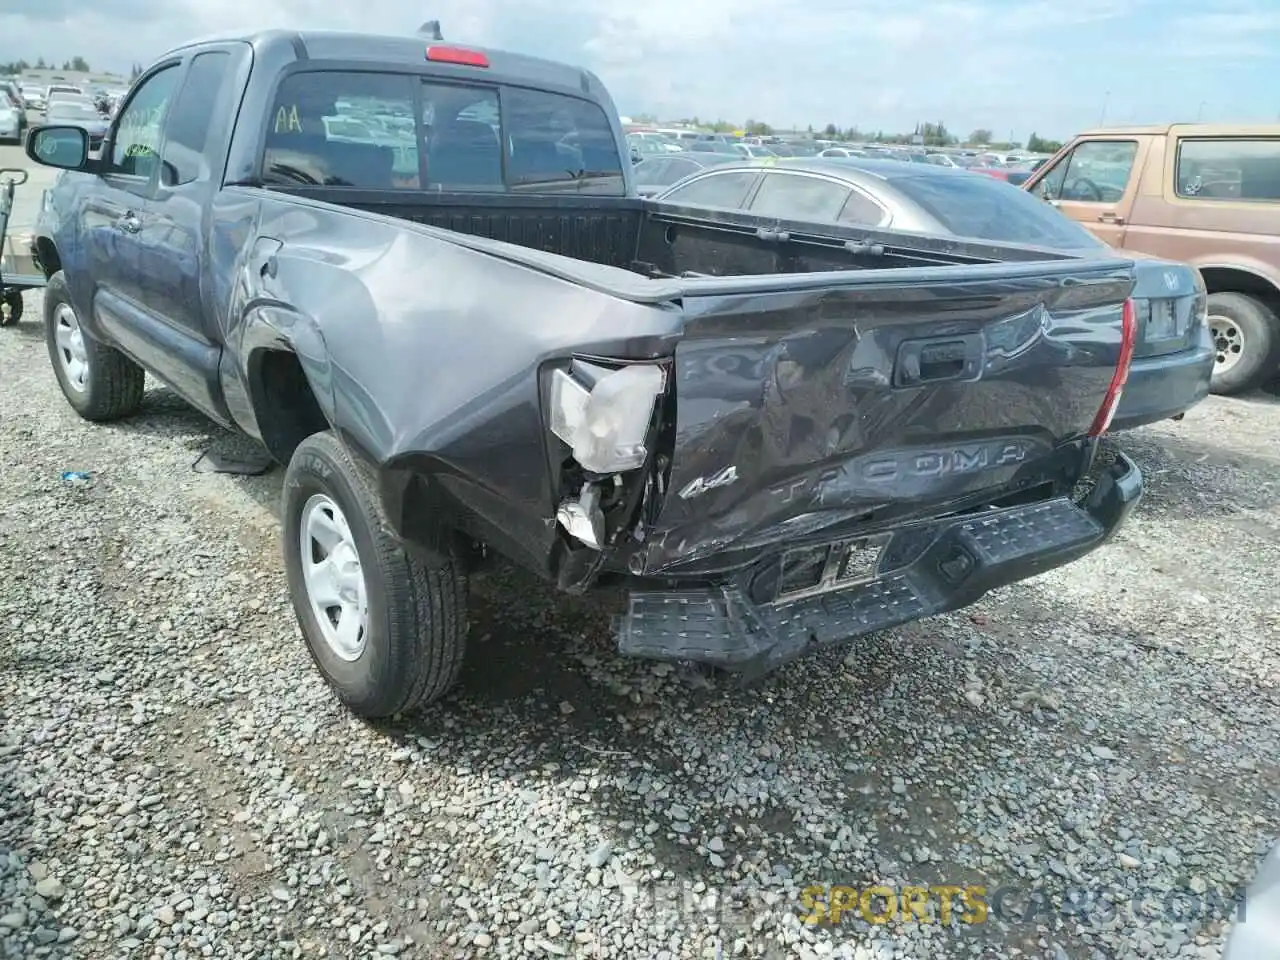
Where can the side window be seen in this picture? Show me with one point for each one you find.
(651, 171)
(187, 127)
(727, 190)
(135, 149)
(862, 210)
(463, 130)
(677, 169)
(557, 142)
(1096, 171)
(791, 196)
(1228, 169)
(342, 129)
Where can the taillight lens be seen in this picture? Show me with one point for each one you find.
(466, 58)
(1120, 376)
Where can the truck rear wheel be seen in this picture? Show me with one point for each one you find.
(1246, 337)
(99, 382)
(386, 628)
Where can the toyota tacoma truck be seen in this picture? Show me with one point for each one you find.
(419, 275)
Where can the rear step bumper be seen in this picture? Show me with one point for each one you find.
(965, 558)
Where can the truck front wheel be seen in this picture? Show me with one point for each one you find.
(1246, 337)
(99, 382)
(386, 627)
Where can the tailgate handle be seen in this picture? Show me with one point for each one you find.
(767, 233)
(937, 359)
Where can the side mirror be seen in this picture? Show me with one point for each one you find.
(66, 148)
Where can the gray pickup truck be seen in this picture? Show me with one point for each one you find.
(419, 274)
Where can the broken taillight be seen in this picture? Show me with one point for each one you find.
(1120, 376)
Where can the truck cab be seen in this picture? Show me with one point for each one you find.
(1204, 194)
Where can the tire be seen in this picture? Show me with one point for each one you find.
(10, 308)
(112, 385)
(411, 648)
(1248, 330)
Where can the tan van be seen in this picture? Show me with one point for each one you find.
(1206, 194)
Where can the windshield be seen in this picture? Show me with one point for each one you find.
(984, 208)
(66, 110)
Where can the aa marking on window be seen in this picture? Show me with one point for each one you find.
(287, 120)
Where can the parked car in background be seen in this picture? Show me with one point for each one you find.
(79, 113)
(10, 126)
(1174, 354)
(842, 152)
(1207, 194)
(12, 99)
(34, 97)
(1015, 173)
(748, 150)
(642, 144)
(655, 174)
(57, 88)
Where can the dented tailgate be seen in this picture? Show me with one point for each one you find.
(806, 410)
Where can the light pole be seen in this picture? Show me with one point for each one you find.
(1200, 112)
(1106, 99)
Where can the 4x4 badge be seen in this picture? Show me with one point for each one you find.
(699, 486)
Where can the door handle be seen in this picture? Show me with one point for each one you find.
(1110, 217)
(129, 223)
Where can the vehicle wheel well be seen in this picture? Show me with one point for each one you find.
(284, 405)
(47, 255)
(1230, 280)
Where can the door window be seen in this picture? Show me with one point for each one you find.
(651, 171)
(678, 168)
(726, 190)
(1229, 169)
(862, 210)
(189, 122)
(793, 196)
(136, 144)
(1096, 171)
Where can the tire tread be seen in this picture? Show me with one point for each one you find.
(426, 600)
(116, 383)
(1260, 370)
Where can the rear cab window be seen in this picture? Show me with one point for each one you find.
(397, 131)
(1228, 169)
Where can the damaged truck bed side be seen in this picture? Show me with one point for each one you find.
(421, 278)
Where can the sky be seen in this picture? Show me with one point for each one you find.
(1053, 67)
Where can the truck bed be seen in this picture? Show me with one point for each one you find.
(658, 240)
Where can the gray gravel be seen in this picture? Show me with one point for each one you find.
(175, 780)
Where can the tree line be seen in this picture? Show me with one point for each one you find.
(76, 64)
(929, 134)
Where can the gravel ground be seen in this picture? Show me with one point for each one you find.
(175, 780)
